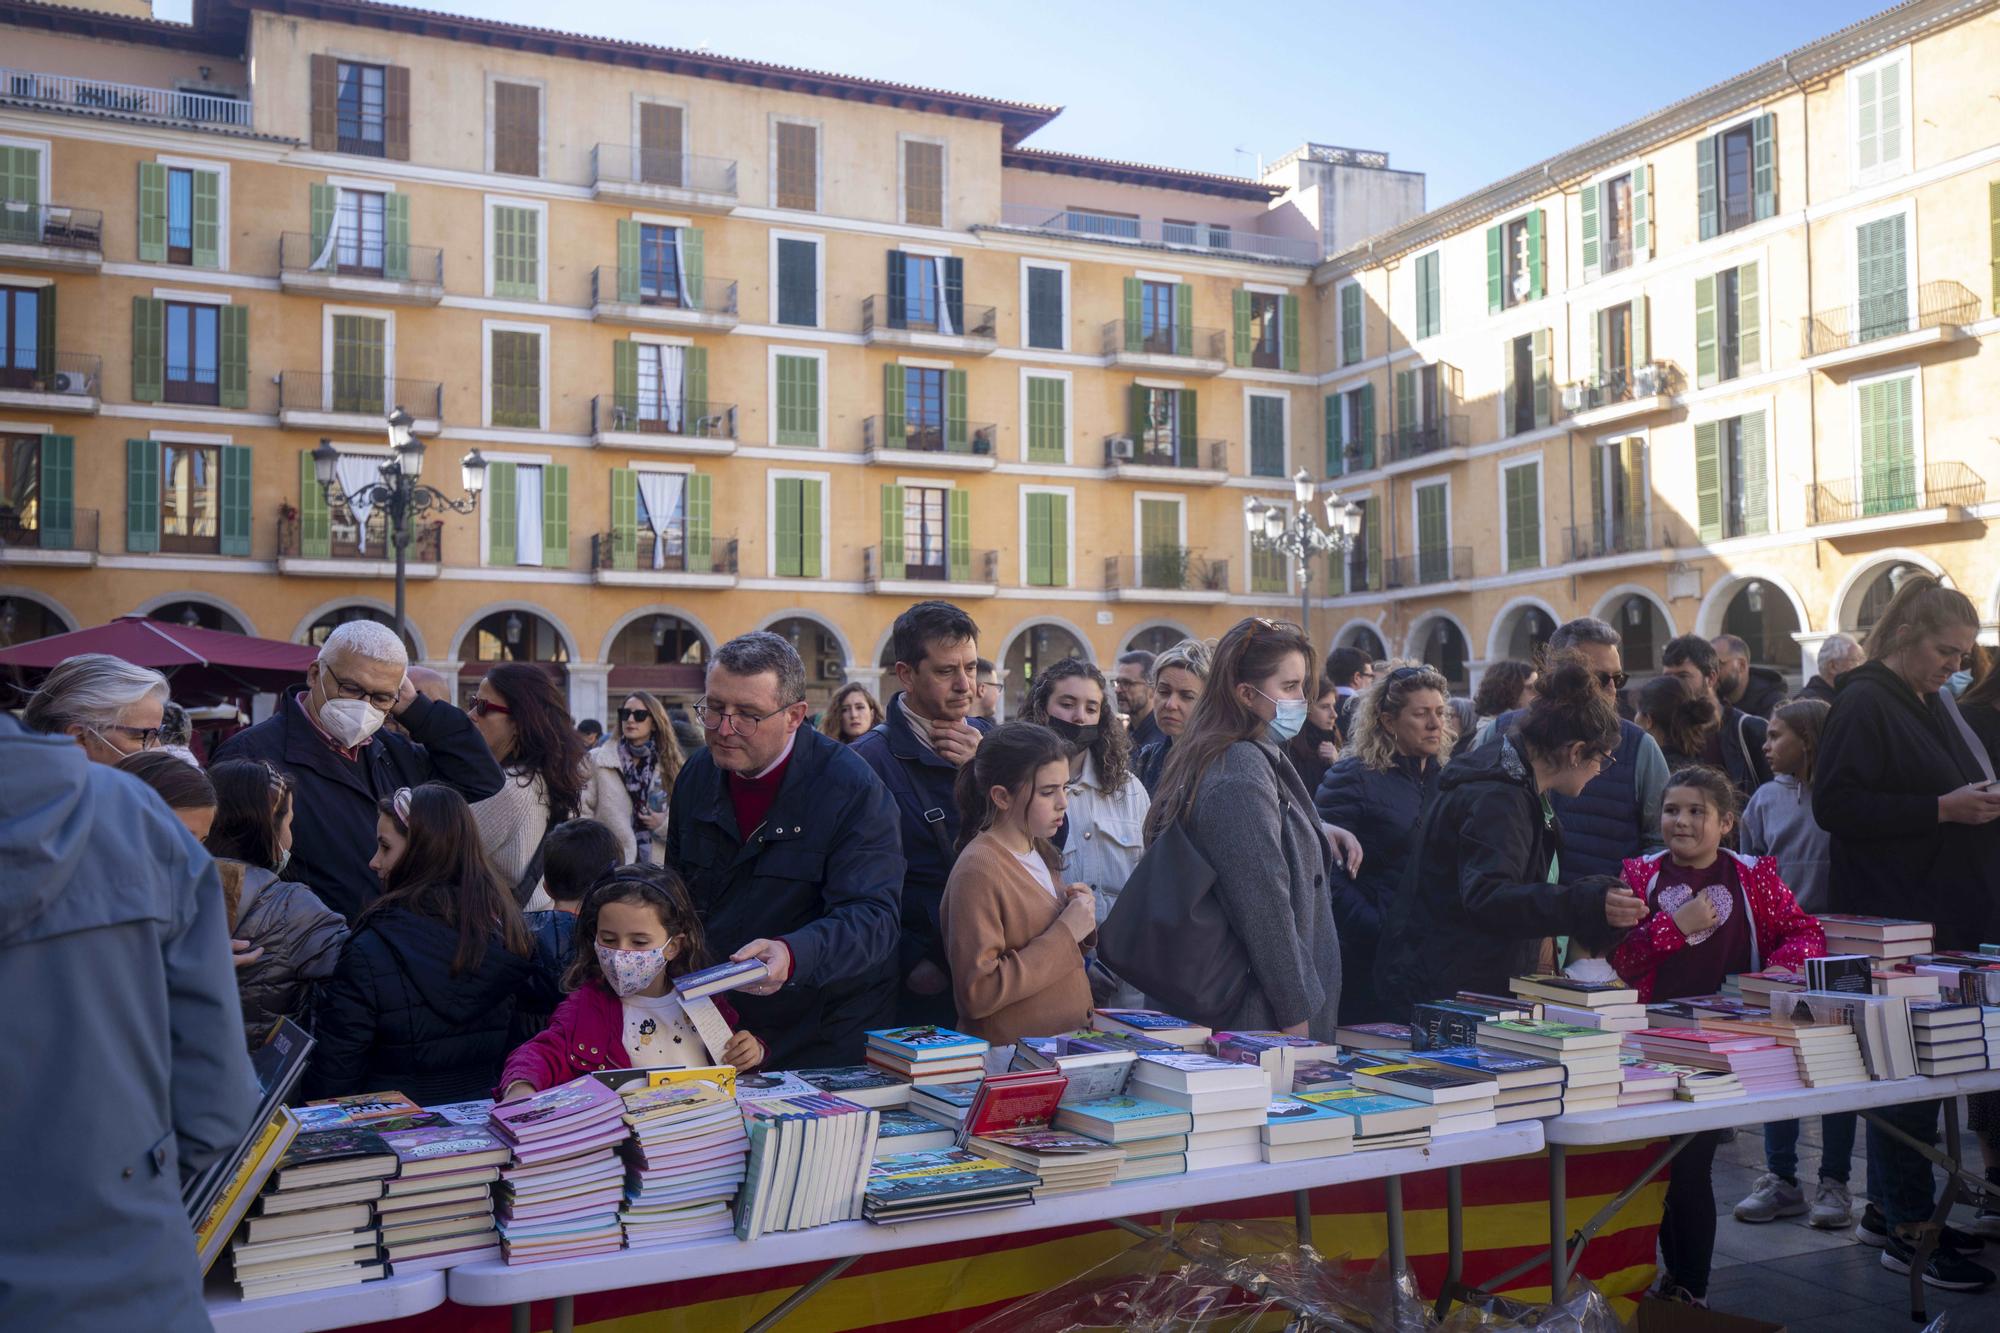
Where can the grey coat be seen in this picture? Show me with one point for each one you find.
(124, 1067)
(301, 938)
(1254, 822)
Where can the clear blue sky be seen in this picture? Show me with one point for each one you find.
(1466, 91)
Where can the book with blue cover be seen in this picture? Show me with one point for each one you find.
(924, 1042)
(944, 1180)
(1293, 1119)
(1508, 1069)
(721, 977)
(1375, 1112)
(1123, 1118)
(905, 1131)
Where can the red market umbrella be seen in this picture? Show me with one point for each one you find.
(205, 665)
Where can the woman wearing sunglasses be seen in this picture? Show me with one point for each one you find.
(631, 776)
(520, 711)
(111, 707)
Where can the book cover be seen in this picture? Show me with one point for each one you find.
(1122, 1108)
(1436, 1023)
(848, 1079)
(1571, 990)
(900, 1124)
(941, 1173)
(365, 1108)
(777, 1083)
(464, 1113)
(1375, 1034)
(1840, 972)
(212, 1230)
(444, 1143)
(721, 977)
(349, 1142)
(925, 1042)
(1154, 1021)
(1015, 1101)
(1852, 925)
(549, 1112)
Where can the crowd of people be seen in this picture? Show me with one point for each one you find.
(485, 901)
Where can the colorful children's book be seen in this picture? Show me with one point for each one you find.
(1015, 1101)
(557, 1111)
(721, 977)
(925, 1042)
(777, 1083)
(442, 1148)
(1123, 1118)
(333, 1157)
(369, 1107)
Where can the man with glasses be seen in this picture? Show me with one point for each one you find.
(789, 848)
(1736, 747)
(1133, 680)
(1617, 814)
(1352, 673)
(330, 740)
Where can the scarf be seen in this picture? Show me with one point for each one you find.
(640, 766)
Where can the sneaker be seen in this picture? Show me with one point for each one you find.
(1833, 1206)
(1672, 1291)
(1986, 1222)
(1947, 1270)
(1873, 1229)
(1772, 1198)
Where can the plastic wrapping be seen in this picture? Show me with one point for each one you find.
(1583, 1309)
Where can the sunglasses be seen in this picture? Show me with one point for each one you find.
(633, 715)
(485, 707)
(1611, 680)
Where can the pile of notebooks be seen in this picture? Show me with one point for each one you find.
(1611, 1005)
(1462, 1097)
(940, 1183)
(1827, 1054)
(809, 1159)
(1011, 1121)
(1592, 1077)
(1176, 1032)
(1296, 1128)
(1708, 1085)
(560, 1195)
(1152, 1135)
(1646, 1081)
(1526, 1087)
(684, 1161)
(1885, 939)
(1759, 1063)
(1950, 1038)
(927, 1054)
(314, 1226)
(438, 1210)
(1226, 1101)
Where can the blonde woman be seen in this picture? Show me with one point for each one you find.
(852, 714)
(631, 777)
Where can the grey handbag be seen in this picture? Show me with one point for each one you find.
(1168, 934)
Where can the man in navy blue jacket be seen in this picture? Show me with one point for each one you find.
(917, 751)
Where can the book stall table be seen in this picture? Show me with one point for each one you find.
(338, 1307)
(1678, 1122)
(840, 1244)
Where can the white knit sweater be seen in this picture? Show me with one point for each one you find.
(511, 824)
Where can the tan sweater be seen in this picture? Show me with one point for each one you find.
(1016, 971)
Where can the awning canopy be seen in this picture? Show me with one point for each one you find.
(205, 665)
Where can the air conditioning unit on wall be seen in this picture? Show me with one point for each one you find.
(1121, 448)
(70, 381)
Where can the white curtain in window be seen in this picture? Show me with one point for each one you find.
(528, 515)
(673, 368)
(356, 474)
(324, 259)
(943, 310)
(660, 509)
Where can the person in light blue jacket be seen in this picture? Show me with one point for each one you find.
(125, 1070)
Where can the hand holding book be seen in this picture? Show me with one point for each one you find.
(1623, 908)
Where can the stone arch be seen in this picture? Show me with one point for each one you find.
(1503, 627)
(1847, 597)
(1344, 634)
(1144, 625)
(230, 609)
(417, 641)
(562, 630)
(620, 625)
(1715, 603)
(803, 613)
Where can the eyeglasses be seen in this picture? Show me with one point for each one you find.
(1604, 760)
(1276, 626)
(1611, 680)
(147, 738)
(633, 715)
(347, 689)
(740, 724)
(484, 707)
(1403, 673)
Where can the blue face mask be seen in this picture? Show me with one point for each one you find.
(1291, 716)
(1960, 682)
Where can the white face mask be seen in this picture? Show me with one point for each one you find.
(284, 859)
(350, 721)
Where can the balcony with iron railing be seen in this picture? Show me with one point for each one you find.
(640, 175)
(31, 535)
(344, 400)
(1891, 325)
(1082, 224)
(1135, 344)
(70, 92)
(1611, 534)
(966, 445)
(51, 381)
(641, 421)
(637, 294)
(887, 322)
(1166, 574)
(1941, 495)
(1189, 462)
(1622, 394)
(345, 549)
(1352, 573)
(920, 574)
(371, 268)
(1418, 439)
(675, 556)
(1428, 567)
(54, 236)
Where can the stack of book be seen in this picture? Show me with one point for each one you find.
(1827, 1053)
(1152, 1023)
(1886, 939)
(904, 1131)
(1648, 1081)
(1278, 1054)
(1759, 1063)
(944, 1103)
(314, 1226)
(1095, 1068)
(1435, 1024)
(1011, 1122)
(927, 1054)
(1589, 1057)
(1611, 1005)
(438, 1211)
(1990, 1017)
(1708, 1085)
(1463, 1097)
(1968, 978)
(1380, 1120)
(1227, 1102)
(1295, 1129)
(1762, 988)
(1153, 1135)
(684, 1163)
(1881, 1022)
(1527, 1087)
(940, 1183)
(560, 1195)
(1374, 1036)
(809, 1158)
(864, 1085)
(1323, 1075)
(1950, 1038)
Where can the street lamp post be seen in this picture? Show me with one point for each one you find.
(400, 493)
(1304, 535)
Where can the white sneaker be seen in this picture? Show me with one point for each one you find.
(1832, 1206)
(1773, 1198)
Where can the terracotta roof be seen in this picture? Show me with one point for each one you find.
(1139, 173)
(1016, 119)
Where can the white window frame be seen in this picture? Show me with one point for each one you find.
(1069, 410)
(1906, 208)
(1912, 371)
(538, 206)
(1507, 465)
(819, 158)
(1059, 266)
(541, 88)
(218, 169)
(1768, 405)
(1138, 523)
(489, 327)
(1069, 528)
(687, 120)
(1602, 178)
(486, 519)
(1284, 507)
(388, 318)
(771, 355)
(818, 242)
(1284, 429)
(1361, 354)
(1416, 527)
(943, 145)
(1645, 437)
(1857, 177)
(825, 480)
(44, 149)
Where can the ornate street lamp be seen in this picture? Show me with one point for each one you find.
(1303, 536)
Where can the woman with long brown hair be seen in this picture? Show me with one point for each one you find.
(852, 714)
(424, 992)
(521, 712)
(1681, 720)
(632, 775)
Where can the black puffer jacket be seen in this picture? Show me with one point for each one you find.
(301, 938)
(394, 1017)
(1475, 902)
(1150, 762)
(1763, 692)
(1383, 808)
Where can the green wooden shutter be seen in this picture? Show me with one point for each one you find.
(1535, 267)
(1708, 189)
(697, 499)
(1632, 458)
(1524, 523)
(1756, 485)
(45, 332)
(58, 481)
(515, 273)
(396, 237)
(207, 247)
(324, 200)
(1641, 331)
(1749, 320)
(21, 184)
(1433, 535)
(1764, 165)
(1881, 279)
(1642, 211)
(1889, 481)
(893, 423)
(1366, 426)
(1336, 445)
(785, 500)
(624, 518)
(555, 516)
(1058, 541)
(1350, 319)
(958, 535)
(694, 387)
(1705, 335)
(898, 278)
(1993, 240)
(628, 261)
(1288, 324)
(953, 270)
(1267, 436)
(235, 494)
(1046, 428)
(1038, 539)
(1184, 319)
(502, 515)
(1600, 516)
(1592, 262)
(1371, 527)
(1240, 310)
(1496, 270)
(149, 348)
(142, 495)
(956, 429)
(1406, 403)
(315, 532)
(1708, 480)
(798, 401)
(1433, 313)
(892, 532)
(1188, 446)
(1135, 297)
(624, 385)
(810, 527)
(233, 333)
(1592, 345)
(694, 268)
(1539, 347)
(1139, 414)
(152, 213)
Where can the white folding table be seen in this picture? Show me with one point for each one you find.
(336, 1307)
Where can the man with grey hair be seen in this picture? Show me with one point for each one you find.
(328, 738)
(1754, 689)
(1838, 655)
(792, 853)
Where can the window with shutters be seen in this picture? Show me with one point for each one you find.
(1731, 468)
(1156, 317)
(1729, 442)
(1618, 499)
(1614, 349)
(1430, 305)
(1047, 322)
(360, 109)
(796, 385)
(1046, 538)
(359, 228)
(1885, 427)
(180, 215)
(923, 408)
(190, 498)
(797, 526)
(1882, 287)
(1267, 434)
(926, 531)
(663, 533)
(1879, 110)
(1728, 324)
(1352, 329)
(923, 183)
(1522, 385)
(660, 281)
(1350, 431)
(1432, 504)
(515, 242)
(795, 177)
(1163, 557)
(1048, 418)
(346, 536)
(797, 263)
(517, 129)
(662, 135)
(1271, 568)
(20, 488)
(193, 353)
(1737, 172)
(1520, 265)
(360, 361)
(1363, 567)
(1521, 514)
(23, 355)
(1615, 220)
(1267, 348)
(1159, 442)
(515, 378)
